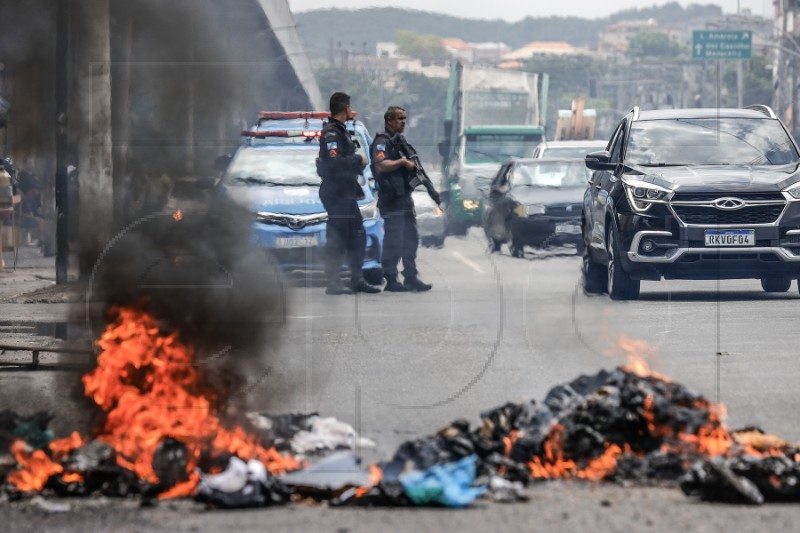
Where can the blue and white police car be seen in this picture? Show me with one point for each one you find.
(273, 174)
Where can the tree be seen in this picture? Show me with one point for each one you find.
(426, 47)
(757, 81)
(371, 91)
(569, 78)
(654, 44)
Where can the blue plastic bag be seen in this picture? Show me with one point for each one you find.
(449, 484)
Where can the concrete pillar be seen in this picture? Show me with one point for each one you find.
(92, 122)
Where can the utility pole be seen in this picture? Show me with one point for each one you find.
(739, 70)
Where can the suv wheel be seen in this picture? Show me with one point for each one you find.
(620, 284)
(781, 284)
(594, 275)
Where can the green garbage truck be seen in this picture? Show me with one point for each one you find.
(492, 115)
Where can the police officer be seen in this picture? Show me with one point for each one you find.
(400, 239)
(339, 167)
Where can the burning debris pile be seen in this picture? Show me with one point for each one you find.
(162, 437)
(624, 425)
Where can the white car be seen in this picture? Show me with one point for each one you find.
(567, 149)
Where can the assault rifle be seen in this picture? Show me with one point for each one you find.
(418, 175)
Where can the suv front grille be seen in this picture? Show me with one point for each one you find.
(751, 214)
(711, 196)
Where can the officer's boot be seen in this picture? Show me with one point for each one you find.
(392, 285)
(414, 284)
(358, 284)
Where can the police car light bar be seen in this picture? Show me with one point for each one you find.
(281, 133)
(286, 115)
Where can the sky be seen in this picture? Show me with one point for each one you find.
(514, 10)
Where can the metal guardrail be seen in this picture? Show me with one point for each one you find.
(36, 350)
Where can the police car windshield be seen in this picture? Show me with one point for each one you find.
(271, 168)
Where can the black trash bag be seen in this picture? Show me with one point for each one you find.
(715, 481)
(387, 493)
(96, 462)
(170, 462)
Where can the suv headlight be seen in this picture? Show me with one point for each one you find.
(641, 195)
(793, 190)
(369, 211)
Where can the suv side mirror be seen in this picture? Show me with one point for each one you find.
(599, 161)
(221, 162)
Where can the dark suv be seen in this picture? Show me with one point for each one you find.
(693, 194)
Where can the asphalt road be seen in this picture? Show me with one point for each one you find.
(493, 329)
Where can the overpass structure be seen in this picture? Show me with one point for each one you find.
(139, 93)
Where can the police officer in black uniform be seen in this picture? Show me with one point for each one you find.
(400, 239)
(339, 166)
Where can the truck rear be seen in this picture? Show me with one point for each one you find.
(492, 115)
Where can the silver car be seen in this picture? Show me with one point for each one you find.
(430, 219)
(567, 149)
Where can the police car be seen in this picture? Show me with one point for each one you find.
(273, 174)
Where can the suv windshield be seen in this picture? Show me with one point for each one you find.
(496, 148)
(709, 141)
(266, 167)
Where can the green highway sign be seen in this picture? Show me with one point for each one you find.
(721, 44)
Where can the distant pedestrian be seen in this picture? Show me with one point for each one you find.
(32, 219)
(339, 167)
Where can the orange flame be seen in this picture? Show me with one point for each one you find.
(636, 352)
(150, 388)
(72, 477)
(36, 468)
(375, 477)
(62, 447)
(177, 215)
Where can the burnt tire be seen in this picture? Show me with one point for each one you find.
(620, 284)
(594, 275)
(780, 284)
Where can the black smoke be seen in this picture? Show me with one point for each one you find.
(196, 269)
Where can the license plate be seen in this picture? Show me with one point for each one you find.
(297, 241)
(730, 237)
(570, 229)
